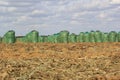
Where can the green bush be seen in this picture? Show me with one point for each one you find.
(112, 36)
(80, 37)
(105, 37)
(9, 37)
(40, 39)
(32, 36)
(45, 38)
(50, 39)
(0, 39)
(92, 36)
(72, 38)
(20, 39)
(118, 37)
(86, 37)
(98, 36)
(55, 38)
(63, 37)
(77, 38)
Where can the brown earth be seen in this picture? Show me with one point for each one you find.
(73, 61)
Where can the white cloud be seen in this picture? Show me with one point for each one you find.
(11, 9)
(4, 3)
(1, 17)
(44, 25)
(96, 4)
(38, 12)
(115, 1)
(62, 14)
(102, 15)
(76, 15)
(73, 22)
(110, 19)
(7, 9)
(22, 18)
(105, 17)
(80, 14)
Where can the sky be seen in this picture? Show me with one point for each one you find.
(52, 16)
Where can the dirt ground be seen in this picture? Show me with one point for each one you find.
(73, 61)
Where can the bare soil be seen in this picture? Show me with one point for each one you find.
(47, 61)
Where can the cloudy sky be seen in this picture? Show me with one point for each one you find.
(52, 16)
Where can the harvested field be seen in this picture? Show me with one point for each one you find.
(47, 61)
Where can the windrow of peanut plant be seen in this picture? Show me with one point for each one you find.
(62, 37)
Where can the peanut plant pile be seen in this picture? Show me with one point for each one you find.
(48, 61)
